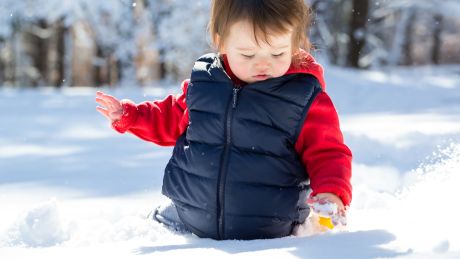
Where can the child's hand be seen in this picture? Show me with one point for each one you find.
(111, 106)
(330, 206)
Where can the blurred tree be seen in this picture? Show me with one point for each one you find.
(357, 31)
(134, 42)
(182, 35)
(437, 30)
(35, 37)
(401, 45)
(79, 42)
(57, 54)
(329, 33)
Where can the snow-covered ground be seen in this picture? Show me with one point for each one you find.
(72, 187)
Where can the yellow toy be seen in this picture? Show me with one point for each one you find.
(327, 222)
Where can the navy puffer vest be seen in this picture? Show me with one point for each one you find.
(234, 173)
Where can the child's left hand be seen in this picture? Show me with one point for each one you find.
(329, 205)
(110, 107)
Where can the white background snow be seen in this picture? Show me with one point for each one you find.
(71, 187)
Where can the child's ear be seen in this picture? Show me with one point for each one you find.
(217, 43)
(217, 39)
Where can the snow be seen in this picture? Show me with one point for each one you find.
(72, 187)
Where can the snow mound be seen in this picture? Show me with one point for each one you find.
(41, 226)
(424, 214)
(105, 229)
(427, 213)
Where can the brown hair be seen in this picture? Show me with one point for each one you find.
(266, 16)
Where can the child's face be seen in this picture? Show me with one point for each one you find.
(252, 62)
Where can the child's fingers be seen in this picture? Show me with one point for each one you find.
(324, 209)
(108, 99)
(343, 220)
(102, 102)
(103, 99)
(103, 111)
(339, 220)
(328, 209)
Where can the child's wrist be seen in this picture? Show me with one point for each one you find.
(127, 118)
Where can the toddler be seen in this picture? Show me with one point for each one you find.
(256, 138)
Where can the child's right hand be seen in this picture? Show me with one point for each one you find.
(327, 208)
(111, 108)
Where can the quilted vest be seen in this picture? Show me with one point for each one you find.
(234, 173)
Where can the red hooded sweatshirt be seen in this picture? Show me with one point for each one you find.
(320, 144)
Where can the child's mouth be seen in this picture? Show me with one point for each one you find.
(261, 77)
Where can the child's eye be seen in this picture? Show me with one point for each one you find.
(247, 56)
(278, 55)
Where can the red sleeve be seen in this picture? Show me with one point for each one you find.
(160, 122)
(320, 145)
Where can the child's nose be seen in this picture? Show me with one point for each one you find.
(262, 64)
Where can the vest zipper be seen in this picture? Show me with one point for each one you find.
(224, 166)
(235, 96)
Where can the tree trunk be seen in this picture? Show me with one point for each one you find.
(7, 68)
(407, 46)
(68, 57)
(357, 32)
(99, 78)
(2, 62)
(56, 55)
(17, 75)
(83, 54)
(401, 41)
(437, 30)
(41, 54)
(61, 31)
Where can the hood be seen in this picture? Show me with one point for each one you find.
(306, 64)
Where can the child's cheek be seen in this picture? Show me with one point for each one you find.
(240, 68)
